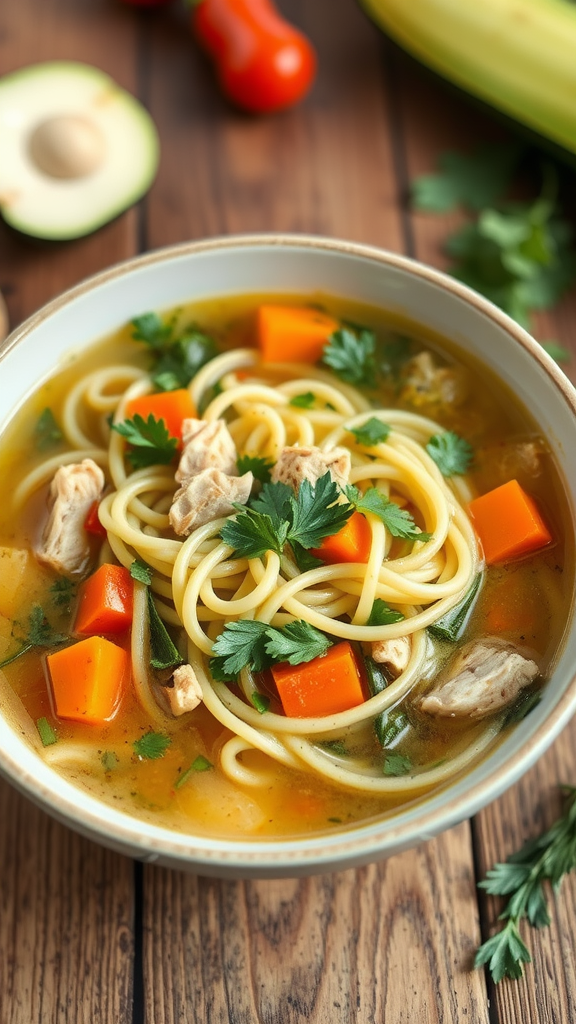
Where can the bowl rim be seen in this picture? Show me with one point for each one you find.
(362, 841)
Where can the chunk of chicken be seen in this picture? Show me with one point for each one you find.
(207, 445)
(484, 678)
(425, 381)
(183, 691)
(296, 464)
(395, 654)
(208, 496)
(64, 545)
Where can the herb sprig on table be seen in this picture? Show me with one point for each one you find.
(518, 254)
(523, 879)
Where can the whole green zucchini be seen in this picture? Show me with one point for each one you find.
(517, 55)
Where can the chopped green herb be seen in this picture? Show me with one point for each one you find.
(39, 634)
(452, 625)
(152, 745)
(337, 747)
(260, 468)
(150, 329)
(260, 701)
(252, 534)
(556, 351)
(397, 764)
(544, 859)
(151, 441)
(396, 722)
(304, 559)
(317, 512)
(141, 572)
(451, 453)
(275, 501)
(200, 764)
(109, 760)
(46, 732)
(335, 821)
(47, 433)
(382, 614)
(305, 401)
(474, 181)
(392, 354)
(62, 593)
(163, 652)
(351, 355)
(372, 432)
(219, 673)
(519, 710)
(397, 520)
(257, 645)
(183, 359)
(377, 681)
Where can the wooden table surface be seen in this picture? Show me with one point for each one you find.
(90, 937)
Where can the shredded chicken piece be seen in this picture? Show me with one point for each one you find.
(208, 496)
(484, 678)
(207, 445)
(184, 691)
(74, 489)
(296, 464)
(425, 381)
(393, 653)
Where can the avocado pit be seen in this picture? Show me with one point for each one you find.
(67, 147)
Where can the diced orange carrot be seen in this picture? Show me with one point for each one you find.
(508, 523)
(105, 601)
(293, 334)
(351, 544)
(323, 686)
(171, 406)
(87, 679)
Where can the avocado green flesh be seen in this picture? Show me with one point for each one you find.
(39, 204)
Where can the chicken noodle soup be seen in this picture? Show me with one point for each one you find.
(266, 571)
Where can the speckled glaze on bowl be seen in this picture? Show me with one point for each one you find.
(299, 264)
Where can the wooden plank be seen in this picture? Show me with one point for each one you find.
(388, 942)
(392, 940)
(66, 918)
(32, 271)
(432, 122)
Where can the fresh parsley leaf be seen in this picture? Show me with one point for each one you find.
(337, 747)
(219, 673)
(451, 453)
(62, 593)
(304, 559)
(141, 572)
(556, 351)
(351, 354)
(260, 701)
(474, 181)
(296, 642)
(260, 468)
(376, 677)
(163, 652)
(372, 432)
(199, 764)
(274, 501)
(46, 732)
(394, 726)
(317, 512)
(242, 644)
(383, 615)
(150, 329)
(452, 625)
(183, 359)
(47, 433)
(252, 534)
(305, 401)
(152, 745)
(109, 760)
(151, 441)
(545, 859)
(39, 634)
(397, 520)
(397, 764)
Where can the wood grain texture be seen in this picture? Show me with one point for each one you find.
(66, 923)
(390, 942)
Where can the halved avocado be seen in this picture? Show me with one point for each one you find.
(77, 149)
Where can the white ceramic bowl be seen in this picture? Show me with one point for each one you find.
(260, 264)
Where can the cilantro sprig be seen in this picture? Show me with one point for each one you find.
(176, 359)
(397, 521)
(151, 441)
(249, 643)
(259, 467)
(39, 633)
(351, 354)
(523, 879)
(451, 453)
(152, 745)
(372, 432)
(277, 517)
